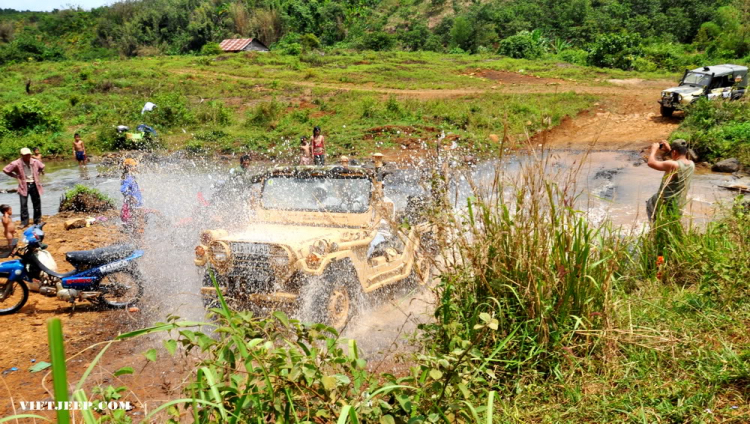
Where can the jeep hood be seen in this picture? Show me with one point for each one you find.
(294, 236)
(685, 90)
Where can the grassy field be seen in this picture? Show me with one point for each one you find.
(262, 103)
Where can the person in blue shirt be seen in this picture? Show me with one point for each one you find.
(132, 207)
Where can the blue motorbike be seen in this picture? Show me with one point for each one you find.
(107, 277)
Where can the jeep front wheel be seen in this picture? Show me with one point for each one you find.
(329, 302)
(667, 111)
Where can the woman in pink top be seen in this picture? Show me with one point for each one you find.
(318, 147)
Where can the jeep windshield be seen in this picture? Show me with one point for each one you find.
(317, 194)
(695, 79)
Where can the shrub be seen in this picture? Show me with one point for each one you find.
(30, 116)
(211, 49)
(575, 56)
(615, 51)
(85, 199)
(434, 44)
(171, 110)
(309, 41)
(214, 112)
(521, 46)
(265, 114)
(378, 41)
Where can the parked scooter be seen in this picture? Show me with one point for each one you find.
(107, 276)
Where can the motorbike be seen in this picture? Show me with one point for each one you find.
(107, 277)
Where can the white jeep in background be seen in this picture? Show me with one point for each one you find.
(719, 81)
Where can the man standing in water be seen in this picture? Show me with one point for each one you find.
(678, 171)
(27, 170)
(318, 147)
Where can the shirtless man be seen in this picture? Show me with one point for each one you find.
(79, 151)
(9, 227)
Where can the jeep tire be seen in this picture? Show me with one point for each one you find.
(667, 111)
(332, 299)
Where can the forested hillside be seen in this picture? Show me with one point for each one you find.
(629, 34)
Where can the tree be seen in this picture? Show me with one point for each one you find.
(462, 33)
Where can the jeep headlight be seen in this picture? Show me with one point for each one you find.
(219, 254)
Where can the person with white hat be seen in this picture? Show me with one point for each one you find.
(26, 170)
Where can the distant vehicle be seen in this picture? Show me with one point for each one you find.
(322, 239)
(718, 81)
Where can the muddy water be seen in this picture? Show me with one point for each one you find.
(614, 185)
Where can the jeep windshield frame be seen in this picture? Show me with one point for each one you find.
(317, 192)
(696, 79)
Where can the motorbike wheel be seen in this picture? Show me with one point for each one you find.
(121, 289)
(13, 295)
(667, 111)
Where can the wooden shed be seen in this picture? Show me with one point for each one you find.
(243, 45)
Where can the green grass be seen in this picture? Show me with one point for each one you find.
(199, 94)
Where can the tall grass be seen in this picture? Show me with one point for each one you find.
(523, 253)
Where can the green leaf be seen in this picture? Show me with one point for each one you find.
(281, 317)
(150, 355)
(436, 374)
(464, 390)
(39, 366)
(387, 419)
(170, 345)
(329, 382)
(123, 371)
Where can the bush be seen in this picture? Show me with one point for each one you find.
(30, 116)
(520, 46)
(85, 199)
(214, 112)
(575, 56)
(378, 41)
(434, 44)
(615, 51)
(265, 114)
(211, 49)
(309, 42)
(718, 129)
(171, 110)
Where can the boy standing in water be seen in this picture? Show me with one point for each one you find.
(79, 151)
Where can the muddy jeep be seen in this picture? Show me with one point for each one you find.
(713, 82)
(322, 238)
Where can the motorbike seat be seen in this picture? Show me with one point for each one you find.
(99, 256)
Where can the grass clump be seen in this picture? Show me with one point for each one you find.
(81, 198)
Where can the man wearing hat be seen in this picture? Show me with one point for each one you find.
(27, 170)
(678, 172)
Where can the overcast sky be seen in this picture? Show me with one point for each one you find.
(47, 5)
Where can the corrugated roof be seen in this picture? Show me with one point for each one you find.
(235, 44)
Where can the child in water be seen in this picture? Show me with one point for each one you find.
(305, 151)
(9, 227)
